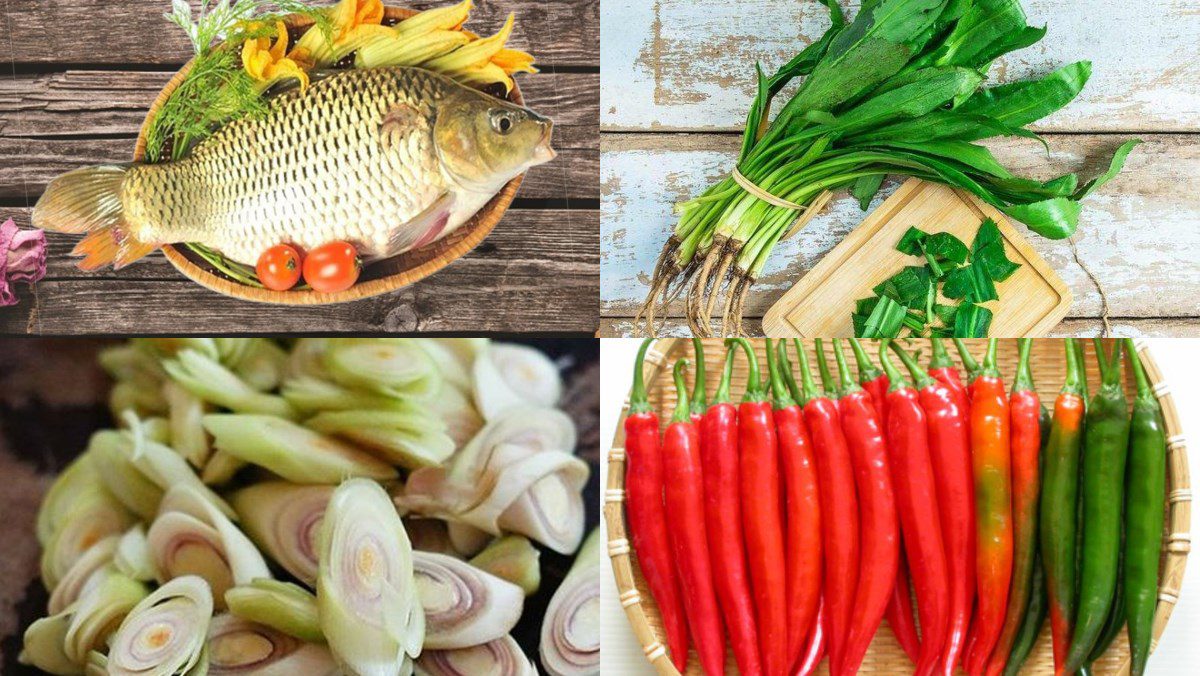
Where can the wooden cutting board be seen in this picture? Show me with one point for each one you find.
(1032, 301)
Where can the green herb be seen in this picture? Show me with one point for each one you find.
(884, 321)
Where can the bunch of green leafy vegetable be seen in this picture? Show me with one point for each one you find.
(912, 298)
(896, 91)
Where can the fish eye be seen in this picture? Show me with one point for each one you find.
(503, 121)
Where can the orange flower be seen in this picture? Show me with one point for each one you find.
(269, 62)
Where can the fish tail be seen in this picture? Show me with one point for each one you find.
(89, 201)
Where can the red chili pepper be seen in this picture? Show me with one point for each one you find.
(802, 509)
(990, 450)
(646, 511)
(723, 517)
(685, 500)
(899, 613)
(917, 502)
(1025, 412)
(839, 534)
(943, 370)
(762, 517)
(814, 647)
(880, 530)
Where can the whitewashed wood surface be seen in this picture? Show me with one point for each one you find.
(676, 82)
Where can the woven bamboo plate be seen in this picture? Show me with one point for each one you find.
(379, 276)
(885, 655)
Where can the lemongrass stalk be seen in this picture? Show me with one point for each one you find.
(284, 520)
(261, 364)
(97, 614)
(165, 633)
(293, 452)
(512, 558)
(508, 376)
(466, 539)
(392, 366)
(570, 644)
(401, 52)
(502, 656)
(474, 54)
(458, 413)
(188, 437)
(92, 518)
(311, 394)
(132, 557)
(399, 438)
(84, 573)
(220, 468)
(238, 646)
(283, 606)
(366, 592)
(191, 537)
(75, 482)
(206, 378)
(464, 606)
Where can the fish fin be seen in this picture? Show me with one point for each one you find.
(400, 121)
(422, 228)
(293, 84)
(89, 201)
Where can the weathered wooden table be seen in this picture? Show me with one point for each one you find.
(677, 79)
(81, 76)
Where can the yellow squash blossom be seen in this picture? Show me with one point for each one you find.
(513, 61)
(268, 63)
(354, 23)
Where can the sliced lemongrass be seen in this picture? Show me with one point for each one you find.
(92, 518)
(190, 537)
(392, 366)
(157, 429)
(366, 593)
(84, 573)
(311, 394)
(508, 375)
(532, 428)
(283, 606)
(220, 468)
(454, 368)
(293, 452)
(130, 396)
(284, 520)
(238, 646)
(458, 412)
(570, 642)
(306, 359)
(98, 613)
(73, 484)
(466, 539)
(206, 378)
(97, 664)
(132, 557)
(399, 438)
(464, 606)
(170, 347)
(44, 643)
(502, 656)
(512, 558)
(467, 349)
(260, 363)
(166, 632)
(187, 433)
(124, 479)
(231, 351)
(129, 362)
(551, 511)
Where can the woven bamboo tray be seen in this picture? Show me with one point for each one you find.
(379, 276)
(885, 655)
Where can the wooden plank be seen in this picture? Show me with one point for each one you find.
(689, 64)
(537, 266)
(1140, 234)
(1184, 327)
(559, 33)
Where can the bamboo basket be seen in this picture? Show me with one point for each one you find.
(377, 278)
(885, 655)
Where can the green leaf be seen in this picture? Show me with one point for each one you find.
(946, 247)
(860, 324)
(911, 242)
(974, 156)
(945, 313)
(1020, 103)
(970, 283)
(864, 306)
(987, 233)
(930, 90)
(982, 24)
(885, 321)
(1018, 39)
(1114, 167)
(972, 321)
(1055, 218)
(865, 187)
(993, 258)
(957, 283)
(908, 287)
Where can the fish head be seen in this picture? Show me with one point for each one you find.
(484, 141)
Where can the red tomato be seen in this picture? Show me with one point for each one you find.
(279, 267)
(332, 267)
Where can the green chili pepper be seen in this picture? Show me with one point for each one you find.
(1146, 476)
(1102, 491)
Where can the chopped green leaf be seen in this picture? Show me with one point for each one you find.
(995, 261)
(885, 320)
(864, 306)
(946, 247)
(972, 321)
(988, 232)
(945, 313)
(865, 188)
(909, 287)
(911, 242)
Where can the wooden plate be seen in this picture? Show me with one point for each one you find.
(378, 277)
(885, 655)
(1032, 301)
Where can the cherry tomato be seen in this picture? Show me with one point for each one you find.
(332, 267)
(279, 267)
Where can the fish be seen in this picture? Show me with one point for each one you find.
(389, 159)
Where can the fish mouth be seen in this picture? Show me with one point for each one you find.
(542, 152)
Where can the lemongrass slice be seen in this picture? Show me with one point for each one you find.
(509, 375)
(238, 646)
(466, 539)
(231, 351)
(458, 413)
(283, 606)
(98, 614)
(366, 592)
(190, 537)
(187, 432)
(392, 366)
(512, 558)
(131, 362)
(208, 379)
(169, 347)
(220, 468)
(502, 656)
(467, 349)
(156, 429)
(284, 520)
(130, 396)
(94, 517)
(310, 394)
(260, 363)
(570, 644)
(551, 511)
(124, 479)
(74, 483)
(97, 664)
(454, 368)
(464, 606)
(535, 429)
(43, 645)
(403, 439)
(306, 359)
(166, 632)
(83, 574)
(132, 557)
(163, 466)
(293, 452)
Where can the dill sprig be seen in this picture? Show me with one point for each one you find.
(217, 22)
